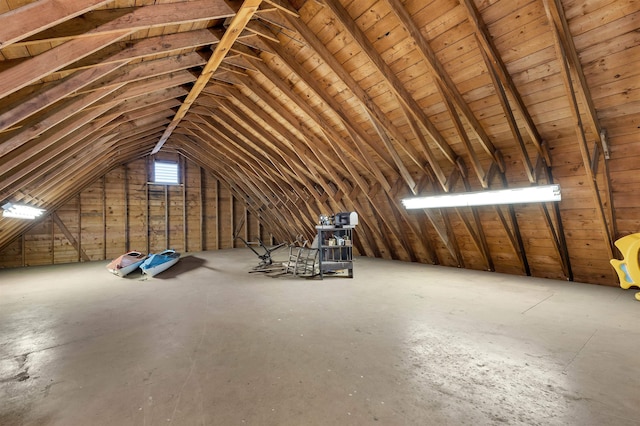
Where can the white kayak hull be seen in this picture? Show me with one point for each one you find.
(127, 263)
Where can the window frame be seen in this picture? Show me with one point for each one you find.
(166, 163)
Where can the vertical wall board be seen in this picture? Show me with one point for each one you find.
(115, 213)
(176, 218)
(157, 218)
(434, 230)
(541, 253)
(252, 220)
(210, 211)
(137, 201)
(192, 195)
(471, 254)
(238, 222)
(12, 254)
(226, 230)
(504, 255)
(64, 251)
(91, 214)
(37, 244)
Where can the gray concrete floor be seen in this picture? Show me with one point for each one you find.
(207, 343)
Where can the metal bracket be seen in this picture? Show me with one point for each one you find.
(605, 145)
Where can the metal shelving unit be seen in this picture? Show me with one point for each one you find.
(336, 250)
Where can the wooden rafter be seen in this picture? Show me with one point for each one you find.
(393, 81)
(37, 16)
(230, 36)
(442, 78)
(377, 117)
(566, 62)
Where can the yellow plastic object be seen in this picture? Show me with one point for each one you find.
(628, 269)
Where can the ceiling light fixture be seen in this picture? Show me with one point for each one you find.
(20, 211)
(530, 194)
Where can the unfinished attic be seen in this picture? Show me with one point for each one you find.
(205, 126)
(277, 112)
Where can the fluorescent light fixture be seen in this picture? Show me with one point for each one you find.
(530, 194)
(20, 211)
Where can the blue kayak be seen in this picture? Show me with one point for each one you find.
(159, 262)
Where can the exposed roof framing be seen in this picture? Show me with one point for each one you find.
(305, 107)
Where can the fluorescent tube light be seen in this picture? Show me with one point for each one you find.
(530, 194)
(20, 211)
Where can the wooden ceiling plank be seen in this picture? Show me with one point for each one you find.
(27, 161)
(284, 7)
(373, 109)
(30, 70)
(390, 77)
(60, 56)
(464, 138)
(236, 26)
(433, 162)
(513, 126)
(283, 153)
(223, 158)
(276, 159)
(478, 235)
(331, 134)
(145, 48)
(53, 117)
(224, 128)
(299, 151)
(35, 17)
(564, 58)
(404, 172)
(556, 10)
(143, 17)
(48, 95)
(488, 46)
(439, 73)
(147, 69)
(261, 30)
(514, 236)
(234, 150)
(42, 165)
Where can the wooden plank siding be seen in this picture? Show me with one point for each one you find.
(83, 218)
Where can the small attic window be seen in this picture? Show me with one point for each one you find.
(166, 172)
